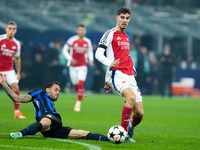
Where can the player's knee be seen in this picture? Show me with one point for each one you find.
(131, 100)
(46, 123)
(15, 87)
(139, 113)
(45, 127)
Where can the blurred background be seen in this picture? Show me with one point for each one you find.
(158, 29)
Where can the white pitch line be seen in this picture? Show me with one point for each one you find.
(25, 147)
(91, 147)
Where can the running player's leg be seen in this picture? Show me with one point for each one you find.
(127, 110)
(120, 83)
(123, 85)
(74, 77)
(73, 72)
(138, 113)
(82, 73)
(136, 119)
(137, 110)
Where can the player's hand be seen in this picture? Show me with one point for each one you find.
(115, 63)
(2, 78)
(18, 76)
(107, 87)
(73, 62)
(90, 63)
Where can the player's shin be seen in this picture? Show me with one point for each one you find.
(81, 90)
(16, 105)
(136, 120)
(96, 137)
(32, 129)
(126, 113)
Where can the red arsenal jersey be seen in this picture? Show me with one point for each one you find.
(80, 50)
(9, 49)
(116, 45)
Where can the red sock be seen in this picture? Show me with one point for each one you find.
(126, 113)
(16, 105)
(76, 87)
(136, 120)
(81, 89)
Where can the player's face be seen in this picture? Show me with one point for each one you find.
(54, 91)
(123, 21)
(11, 30)
(81, 31)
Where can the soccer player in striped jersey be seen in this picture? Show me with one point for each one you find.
(78, 51)
(48, 121)
(113, 52)
(10, 50)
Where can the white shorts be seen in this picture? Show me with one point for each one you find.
(77, 74)
(120, 81)
(11, 77)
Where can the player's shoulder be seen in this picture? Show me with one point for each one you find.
(2, 36)
(86, 39)
(35, 92)
(16, 41)
(109, 32)
(74, 37)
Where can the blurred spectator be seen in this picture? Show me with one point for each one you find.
(143, 71)
(26, 65)
(154, 75)
(189, 63)
(52, 71)
(134, 55)
(137, 42)
(38, 69)
(42, 50)
(166, 65)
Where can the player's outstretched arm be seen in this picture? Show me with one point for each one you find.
(11, 94)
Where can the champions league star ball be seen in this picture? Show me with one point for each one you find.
(117, 134)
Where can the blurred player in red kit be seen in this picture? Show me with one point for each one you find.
(78, 51)
(10, 50)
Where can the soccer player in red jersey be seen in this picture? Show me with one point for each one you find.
(10, 50)
(113, 52)
(78, 51)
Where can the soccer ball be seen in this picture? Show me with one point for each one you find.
(117, 134)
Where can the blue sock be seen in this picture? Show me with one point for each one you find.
(96, 137)
(32, 129)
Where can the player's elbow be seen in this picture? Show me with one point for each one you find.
(97, 55)
(16, 99)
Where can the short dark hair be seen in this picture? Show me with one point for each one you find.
(50, 84)
(81, 25)
(124, 10)
(11, 23)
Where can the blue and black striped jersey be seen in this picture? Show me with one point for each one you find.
(43, 103)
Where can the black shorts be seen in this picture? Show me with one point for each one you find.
(56, 128)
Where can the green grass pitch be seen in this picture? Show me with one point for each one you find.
(172, 124)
